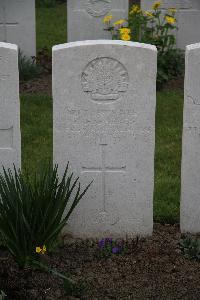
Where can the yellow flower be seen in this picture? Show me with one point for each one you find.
(135, 9)
(172, 10)
(41, 250)
(107, 19)
(44, 249)
(38, 250)
(120, 22)
(156, 5)
(125, 30)
(125, 37)
(170, 20)
(149, 14)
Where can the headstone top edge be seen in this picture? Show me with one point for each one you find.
(192, 47)
(8, 46)
(104, 42)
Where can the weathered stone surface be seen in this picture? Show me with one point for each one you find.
(10, 137)
(85, 17)
(188, 19)
(104, 108)
(190, 200)
(17, 24)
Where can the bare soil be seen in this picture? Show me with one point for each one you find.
(155, 269)
(42, 85)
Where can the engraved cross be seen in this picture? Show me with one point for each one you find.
(103, 170)
(4, 22)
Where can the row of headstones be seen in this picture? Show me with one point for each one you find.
(104, 100)
(17, 20)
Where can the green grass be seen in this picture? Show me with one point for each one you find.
(36, 130)
(168, 156)
(51, 26)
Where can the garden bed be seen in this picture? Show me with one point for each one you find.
(155, 269)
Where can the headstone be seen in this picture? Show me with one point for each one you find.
(85, 18)
(190, 199)
(104, 110)
(10, 137)
(188, 19)
(17, 24)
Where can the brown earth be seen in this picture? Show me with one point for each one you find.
(154, 269)
(42, 85)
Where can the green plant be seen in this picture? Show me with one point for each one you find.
(76, 289)
(2, 295)
(108, 246)
(34, 211)
(191, 248)
(171, 64)
(152, 27)
(28, 68)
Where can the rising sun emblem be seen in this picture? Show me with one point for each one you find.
(105, 79)
(98, 8)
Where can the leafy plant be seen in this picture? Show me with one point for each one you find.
(33, 212)
(2, 295)
(108, 246)
(28, 68)
(171, 64)
(191, 248)
(152, 27)
(77, 289)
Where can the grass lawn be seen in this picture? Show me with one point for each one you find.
(51, 26)
(36, 121)
(168, 156)
(36, 130)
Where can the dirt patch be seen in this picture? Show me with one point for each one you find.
(175, 84)
(156, 269)
(42, 85)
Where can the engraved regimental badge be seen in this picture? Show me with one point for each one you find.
(105, 79)
(98, 8)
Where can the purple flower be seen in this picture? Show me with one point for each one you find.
(116, 250)
(102, 243)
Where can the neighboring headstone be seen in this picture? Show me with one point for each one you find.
(10, 137)
(188, 19)
(17, 24)
(104, 109)
(85, 18)
(190, 198)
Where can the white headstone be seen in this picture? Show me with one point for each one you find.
(104, 109)
(85, 18)
(190, 198)
(10, 137)
(17, 24)
(188, 19)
